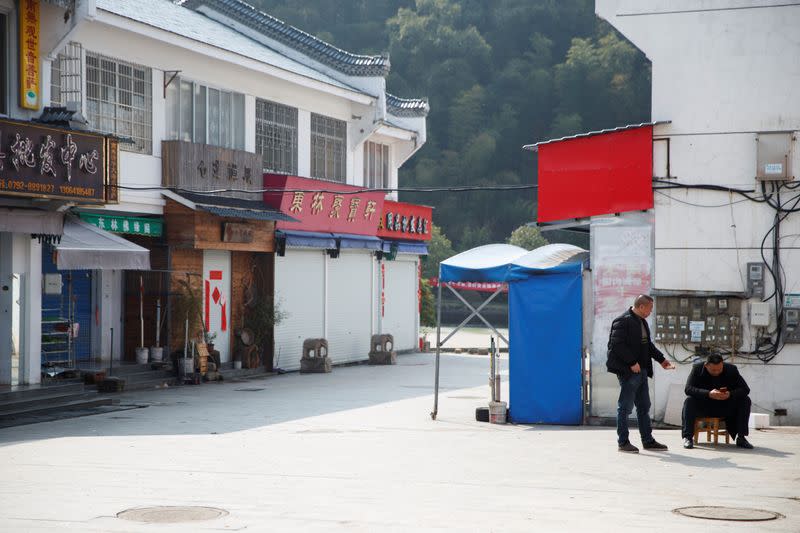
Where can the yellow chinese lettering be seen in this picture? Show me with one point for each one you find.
(297, 202)
(337, 206)
(316, 203)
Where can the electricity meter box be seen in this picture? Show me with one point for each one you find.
(774, 156)
(791, 318)
(694, 319)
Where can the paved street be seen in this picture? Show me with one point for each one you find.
(356, 450)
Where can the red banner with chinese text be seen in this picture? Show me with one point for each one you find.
(405, 221)
(324, 206)
(479, 286)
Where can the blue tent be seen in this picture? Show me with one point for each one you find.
(545, 325)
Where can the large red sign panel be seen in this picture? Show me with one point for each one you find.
(404, 221)
(596, 175)
(324, 206)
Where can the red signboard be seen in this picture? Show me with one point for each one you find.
(596, 175)
(324, 206)
(404, 221)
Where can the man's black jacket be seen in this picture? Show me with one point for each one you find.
(700, 382)
(625, 347)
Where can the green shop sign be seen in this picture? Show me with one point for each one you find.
(152, 227)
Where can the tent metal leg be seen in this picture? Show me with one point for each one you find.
(477, 313)
(438, 351)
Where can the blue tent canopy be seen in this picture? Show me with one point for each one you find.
(545, 324)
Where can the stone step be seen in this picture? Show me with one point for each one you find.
(90, 400)
(40, 391)
(147, 384)
(21, 404)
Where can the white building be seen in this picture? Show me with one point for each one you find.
(218, 73)
(726, 77)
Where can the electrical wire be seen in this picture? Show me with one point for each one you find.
(360, 190)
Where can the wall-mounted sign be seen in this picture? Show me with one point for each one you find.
(29, 94)
(234, 232)
(150, 227)
(404, 221)
(202, 167)
(40, 161)
(324, 206)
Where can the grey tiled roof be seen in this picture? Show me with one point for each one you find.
(173, 18)
(406, 107)
(327, 54)
(234, 207)
(535, 146)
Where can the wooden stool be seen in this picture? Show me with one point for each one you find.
(710, 425)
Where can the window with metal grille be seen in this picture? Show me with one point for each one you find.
(66, 76)
(201, 114)
(376, 165)
(119, 100)
(276, 136)
(328, 148)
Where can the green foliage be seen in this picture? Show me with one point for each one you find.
(261, 317)
(187, 303)
(498, 75)
(439, 249)
(527, 237)
(427, 313)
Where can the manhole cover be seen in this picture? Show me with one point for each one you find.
(736, 514)
(248, 390)
(171, 515)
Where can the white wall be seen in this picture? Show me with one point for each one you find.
(721, 76)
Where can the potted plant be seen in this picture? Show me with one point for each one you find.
(261, 317)
(187, 305)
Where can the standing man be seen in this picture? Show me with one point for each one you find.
(629, 352)
(715, 388)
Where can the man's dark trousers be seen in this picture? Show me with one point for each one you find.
(633, 390)
(736, 413)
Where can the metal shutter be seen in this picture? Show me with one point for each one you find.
(401, 313)
(350, 299)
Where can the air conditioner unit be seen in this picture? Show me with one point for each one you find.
(774, 154)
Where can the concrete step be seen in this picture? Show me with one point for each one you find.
(32, 402)
(244, 373)
(88, 400)
(40, 391)
(147, 384)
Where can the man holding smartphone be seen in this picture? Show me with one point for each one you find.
(716, 388)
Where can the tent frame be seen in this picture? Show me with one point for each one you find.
(440, 342)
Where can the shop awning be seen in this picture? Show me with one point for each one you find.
(223, 206)
(415, 248)
(87, 247)
(357, 242)
(307, 239)
(31, 221)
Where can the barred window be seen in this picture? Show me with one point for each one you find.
(276, 136)
(66, 76)
(200, 114)
(376, 165)
(328, 148)
(119, 100)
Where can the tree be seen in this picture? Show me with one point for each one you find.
(527, 237)
(427, 312)
(439, 249)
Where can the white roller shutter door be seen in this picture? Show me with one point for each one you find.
(300, 291)
(400, 310)
(350, 302)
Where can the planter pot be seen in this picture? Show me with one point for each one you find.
(141, 356)
(187, 363)
(156, 354)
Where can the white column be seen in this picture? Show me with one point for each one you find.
(6, 306)
(31, 290)
(303, 142)
(250, 123)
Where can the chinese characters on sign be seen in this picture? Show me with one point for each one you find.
(150, 227)
(47, 162)
(323, 206)
(29, 54)
(203, 167)
(405, 221)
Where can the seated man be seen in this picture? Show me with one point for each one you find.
(717, 389)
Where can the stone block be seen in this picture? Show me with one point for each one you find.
(315, 358)
(383, 358)
(758, 421)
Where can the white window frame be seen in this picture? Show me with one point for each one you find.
(106, 92)
(376, 165)
(181, 127)
(66, 76)
(328, 148)
(276, 136)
